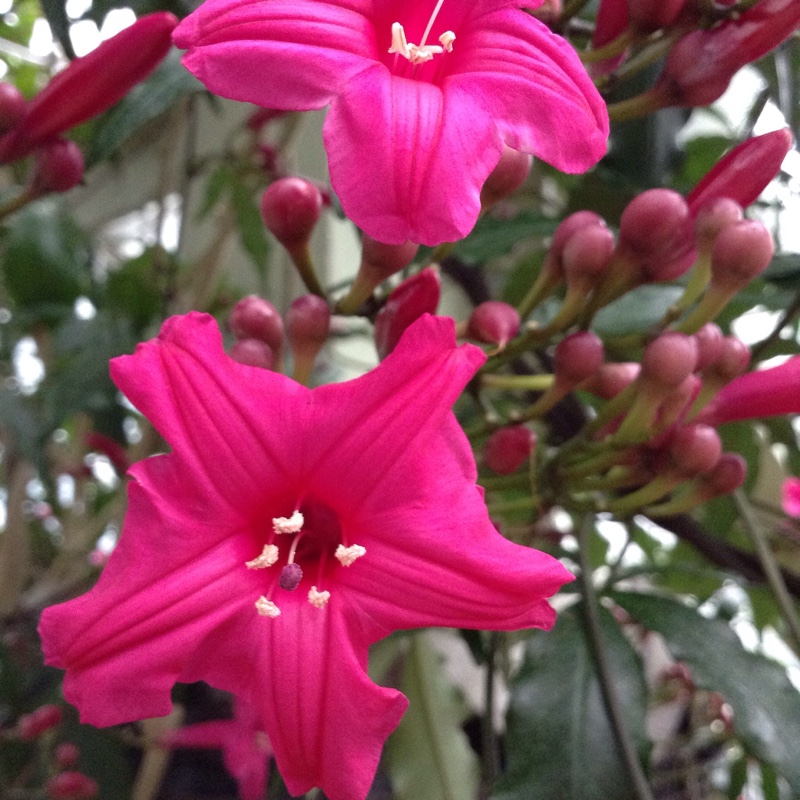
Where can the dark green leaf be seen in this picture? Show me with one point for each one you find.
(493, 237)
(560, 743)
(428, 755)
(636, 311)
(157, 95)
(46, 259)
(220, 180)
(131, 290)
(766, 706)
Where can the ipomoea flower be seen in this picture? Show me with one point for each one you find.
(423, 95)
(288, 530)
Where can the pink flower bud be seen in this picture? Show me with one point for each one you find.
(12, 107)
(493, 322)
(790, 497)
(58, 167)
(563, 233)
(92, 84)
(669, 359)
(695, 449)
(744, 172)
(741, 252)
(414, 297)
(290, 208)
(701, 64)
(253, 317)
(67, 755)
(577, 357)
(510, 173)
(728, 474)
(253, 353)
(508, 448)
(650, 15)
(611, 22)
(732, 361)
(611, 379)
(713, 218)
(33, 725)
(308, 322)
(587, 254)
(709, 345)
(71, 785)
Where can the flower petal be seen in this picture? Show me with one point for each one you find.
(439, 560)
(287, 54)
(202, 403)
(408, 159)
(790, 496)
(534, 85)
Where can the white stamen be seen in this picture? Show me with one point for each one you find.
(419, 55)
(266, 608)
(269, 555)
(318, 599)
(399, 43)
(347, 555)
(447, 39)
(288, 524)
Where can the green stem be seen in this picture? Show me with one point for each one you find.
(530, 383)
(613, 48)
(604, 671)
(635, 107)
(771, 569)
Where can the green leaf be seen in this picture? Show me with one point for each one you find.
(157, 95)
(131, 290)
(428, 755)
(46, 259)
(560, 743)
(636, 311)
(493, 237)
(251, 225)
(766, 706)
(222, 178)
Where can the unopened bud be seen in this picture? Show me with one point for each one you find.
(290, 208)
(509, 448)
(12, 107)
(728, 474)
(510, 173)
(669, 359)
(308, 322)
(67, 755)
(253, 353)
(414, 297)
(493, 322)
(71, 785)
(58, 167)
(695, 449)
(713, 218)
(563, 233)
(709, 345)
(611, 379)
(254, 317)
(32, 725)
(577, 357)
(741, 252)
(610, 23)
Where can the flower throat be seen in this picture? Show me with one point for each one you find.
(420, 53)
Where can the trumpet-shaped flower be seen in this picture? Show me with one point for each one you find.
(288, 530)
(423, 95)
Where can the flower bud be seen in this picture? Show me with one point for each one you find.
(262, 116)
(508, 448)
(610, 23)
(510, 173)
(695, 449)
(744, 172)
(58, 167)
(31, 726)
(610, 379)
(253, 317)
(577, 357)
(741, 252)
(728, 474)
(732, 361)
(414, 297)
(253, 353)
(67, 755)
(290, 208)
(92, 84)
(71, 785)
(669, 359)
(566, 229)
(379, 261)
(308, 322)
(709, 345)
(493, 322)
(712, 218)
(12, 107)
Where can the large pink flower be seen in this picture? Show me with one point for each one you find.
(411, 134)
(372, 483)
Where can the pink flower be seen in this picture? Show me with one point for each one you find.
(763, 393)
(422, 96)
(790, 497)
(366, 488)
(245, 747)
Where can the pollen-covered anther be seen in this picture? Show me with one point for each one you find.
(269, 555)
(291, 524)
(266, 608)
(446, 40)
(317, 598)
(399, 43)
(347, 555)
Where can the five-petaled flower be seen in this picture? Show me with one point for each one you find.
(423, 95)
(288, 530)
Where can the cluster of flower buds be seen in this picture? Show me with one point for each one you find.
(87, 87)
(259, 331)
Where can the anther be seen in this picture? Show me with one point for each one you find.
(266, 608)
(269, 555)
(317, 598)
(446, 40)
(288, 524)
(399, 43)
(347, 555)
(290, 578)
